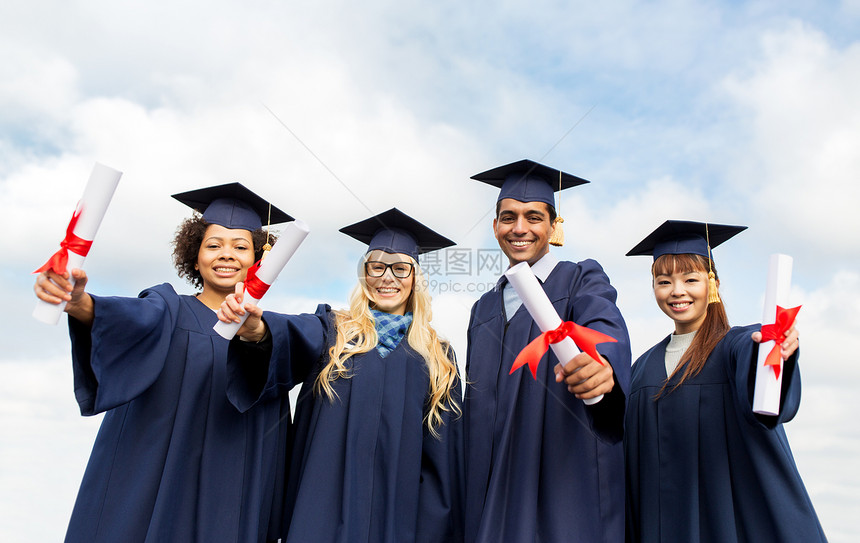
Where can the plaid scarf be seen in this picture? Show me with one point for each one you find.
(390, 329)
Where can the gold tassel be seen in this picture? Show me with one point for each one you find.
(557, 237)
(267, 246)
(713, 294)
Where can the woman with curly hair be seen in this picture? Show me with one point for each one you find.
(375, 455)
(701, 465)
(173, 460)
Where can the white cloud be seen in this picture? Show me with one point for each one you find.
(451, 313)
(801, 165)
(33, 86)
(46, 458)
(852, 7)
(829, 320)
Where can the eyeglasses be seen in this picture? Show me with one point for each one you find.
(374, 268)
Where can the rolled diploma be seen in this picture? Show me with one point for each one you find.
(93, 206)
(544, 314)
(766, 394)
(289, 240)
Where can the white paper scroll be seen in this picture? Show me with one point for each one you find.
(92, 206)
(768, 386)
(542, 311)
(288, 241)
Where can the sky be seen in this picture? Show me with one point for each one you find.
(720, 111)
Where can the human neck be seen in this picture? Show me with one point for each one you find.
(211, 299)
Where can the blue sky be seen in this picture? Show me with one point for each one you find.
(732, 112)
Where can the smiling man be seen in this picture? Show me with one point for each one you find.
(541, 466)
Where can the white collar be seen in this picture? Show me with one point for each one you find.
(543, 267)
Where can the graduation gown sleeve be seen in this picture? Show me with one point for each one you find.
(592, 304)
(123, 330)
(743, 365)
(258, 372)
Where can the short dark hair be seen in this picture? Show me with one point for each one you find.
(186, 246)
(550, 209)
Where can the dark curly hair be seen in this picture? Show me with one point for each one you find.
(186, 246)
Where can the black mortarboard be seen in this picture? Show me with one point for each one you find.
(396, 232)
(233, 206)
(528, 181)
(684, 237)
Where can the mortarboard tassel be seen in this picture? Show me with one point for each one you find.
(557, 237)
(713, 293)
(267, 246)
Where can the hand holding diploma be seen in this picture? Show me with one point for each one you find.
(74, 247)
(260, 278)
(588, 379)
(68, 289)
(778, 337)
(586, 374)
(790, 342)
(246, 314)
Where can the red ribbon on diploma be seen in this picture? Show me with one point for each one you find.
(776, 332)
(60, 260)
(253, 284)
(585, 338)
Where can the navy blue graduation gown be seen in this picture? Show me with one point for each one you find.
(173, 460)
(701, 466)
(364, 468)
(541, 466)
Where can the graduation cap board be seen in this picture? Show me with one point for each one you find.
(233, 206)
(528, 181)
(685, 237)
(396, 232)
(688, 237)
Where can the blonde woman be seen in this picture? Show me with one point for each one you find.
(377, 440)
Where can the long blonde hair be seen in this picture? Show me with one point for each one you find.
(356, 334)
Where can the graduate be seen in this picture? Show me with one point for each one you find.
(701, 466)
(377, 429)
(173, 459)
(541, 465)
